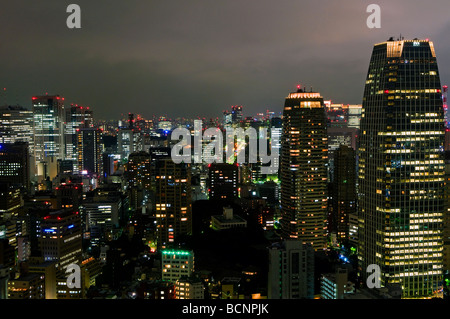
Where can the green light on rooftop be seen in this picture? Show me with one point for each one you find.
(176, 252)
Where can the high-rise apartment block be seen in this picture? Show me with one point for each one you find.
(303, 171)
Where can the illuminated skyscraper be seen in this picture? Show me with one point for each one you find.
(138, 176)
(276, 131)
(129, 139)
(14, 164)
(16, 125)
(77, 117)
(401, 168)
(90, 151)
(60, 238)
(173, 203)
(138, 170)
(48, 129)
(303, 169)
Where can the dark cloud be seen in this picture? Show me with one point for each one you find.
(198, 57)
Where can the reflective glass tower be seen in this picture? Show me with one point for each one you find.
(48, 127)
(401, 168)
(303, 170)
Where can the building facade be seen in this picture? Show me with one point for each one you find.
(401, 168)
(173, 201)
(291, 270)
(303, 171)
(177, 264)
(48, 129)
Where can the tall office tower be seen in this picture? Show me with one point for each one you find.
(173, 201)
(109, 164)
(16, 125)
(11, 203)
(90, 151)
(223, 179)
(401, 168)
(276, 131)
(129, 139)
(343, 192)
(138, 176)
(48, 130)
(77, 117)
(303, 170)
(291, 270)
(138, 170)
(236, 114)
(60, 238)
(15, 164)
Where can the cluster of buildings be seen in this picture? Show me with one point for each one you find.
(357, 185)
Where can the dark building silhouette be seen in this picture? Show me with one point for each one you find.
(223, 181)
(14, 164)
(343, 191)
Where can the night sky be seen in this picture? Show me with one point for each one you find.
(199, 57)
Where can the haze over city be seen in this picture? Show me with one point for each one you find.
(197, 58)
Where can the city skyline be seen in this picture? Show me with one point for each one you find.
(134, 152)
(155, 64)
